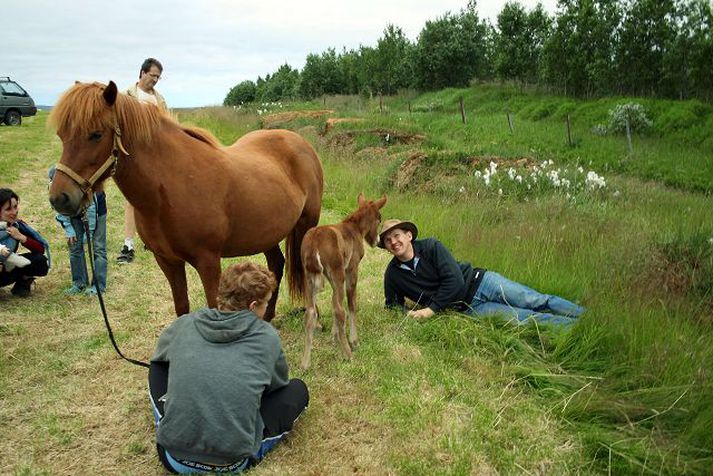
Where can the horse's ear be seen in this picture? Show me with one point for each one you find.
(110, 93)
(77, 82)
(361, 200)
(380, 202)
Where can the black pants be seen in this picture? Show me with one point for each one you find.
(279, 410)
(37, 267)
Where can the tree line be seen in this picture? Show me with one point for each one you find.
(588, 48)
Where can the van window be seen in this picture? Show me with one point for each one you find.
(12, 89)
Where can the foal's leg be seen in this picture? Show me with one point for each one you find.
(351, 283)
(310, 316)
(336, 279)
(276, 264)
(175, 271)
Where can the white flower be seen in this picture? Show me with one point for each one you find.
(493, 168)
(461, 190)
(500, 191)
(710, 240)
(518, 179)
(511, 173)
(478, 174)
(580, 170)
(594, 181)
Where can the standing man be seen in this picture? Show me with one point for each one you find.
(144, 90)
(425, 272)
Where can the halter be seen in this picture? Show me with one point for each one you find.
(87, 185)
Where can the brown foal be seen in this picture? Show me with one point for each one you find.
(335, 251)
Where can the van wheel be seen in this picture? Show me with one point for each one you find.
(13, 118)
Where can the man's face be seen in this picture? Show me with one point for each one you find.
(398, 243)
(147, 81)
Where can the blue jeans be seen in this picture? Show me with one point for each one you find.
(77, 262)
(499, 295)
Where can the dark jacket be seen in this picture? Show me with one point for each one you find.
(438, 282)
(220, 364)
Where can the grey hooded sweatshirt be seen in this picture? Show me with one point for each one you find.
(220, 364)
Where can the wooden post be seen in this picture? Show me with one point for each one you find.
(409, 108)
(628, 137)
(569, 132)
(381, 103)
(462, 110)
(510, 123)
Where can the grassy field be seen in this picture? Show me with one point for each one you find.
(627, 390)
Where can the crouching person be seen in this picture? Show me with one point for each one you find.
(219, 381)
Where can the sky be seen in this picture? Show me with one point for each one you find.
(206, 46)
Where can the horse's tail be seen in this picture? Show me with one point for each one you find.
(293, 257)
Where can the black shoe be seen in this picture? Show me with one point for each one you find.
(22, 287)
(126, 256)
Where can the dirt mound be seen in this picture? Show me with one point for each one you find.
(338, 120)
(271, 121)
(387, 136)
(407, 169)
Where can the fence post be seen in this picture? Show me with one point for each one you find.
(569, 132)
(628, 136)
(381, 103)
(409, 108)
(510, 122)
(462, 110)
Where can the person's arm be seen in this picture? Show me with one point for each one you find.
(452, 285)
(66, 224)
(280, 373)
(392, 297)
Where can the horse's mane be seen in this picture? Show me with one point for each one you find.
(357, 217)
(82, 110)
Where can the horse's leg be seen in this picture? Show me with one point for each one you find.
(336, 279)
(208, 268)
(276, 264)
(352, 275)
(310, 316)
(175, 271)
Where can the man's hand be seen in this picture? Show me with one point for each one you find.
(71, 240)
(421, 313)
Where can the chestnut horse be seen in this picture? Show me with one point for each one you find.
(195, 201)
(335, 251)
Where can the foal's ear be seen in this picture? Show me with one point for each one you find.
(380, 202)
(361, 200)
(110, 93)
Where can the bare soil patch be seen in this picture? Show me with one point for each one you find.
(272, 121)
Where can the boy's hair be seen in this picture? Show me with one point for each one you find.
(243, 283)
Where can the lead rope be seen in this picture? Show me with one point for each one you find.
(90, 250)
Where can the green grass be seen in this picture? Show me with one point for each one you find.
(628, 390)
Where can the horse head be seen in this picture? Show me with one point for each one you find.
(86, 122)
(370, 217)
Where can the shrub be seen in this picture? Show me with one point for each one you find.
(635, 113)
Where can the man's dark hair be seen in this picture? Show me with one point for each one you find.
(148, 62)
(6, 195)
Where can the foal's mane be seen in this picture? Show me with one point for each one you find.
(359, 216)
(82, 110)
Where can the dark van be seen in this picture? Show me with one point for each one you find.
(15, 103)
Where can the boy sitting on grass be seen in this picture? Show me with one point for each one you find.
(219, 381)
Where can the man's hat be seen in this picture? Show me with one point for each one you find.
(391, 224)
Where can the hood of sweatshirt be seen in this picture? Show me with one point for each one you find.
(220, 327)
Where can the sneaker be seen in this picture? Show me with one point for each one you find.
(15, 261)
(22, 287)
(92, 291)
(74, 290)
(126, 256)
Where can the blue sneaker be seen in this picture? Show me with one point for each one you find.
(73, 291)
(91, 291)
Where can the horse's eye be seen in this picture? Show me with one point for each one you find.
(95, 136)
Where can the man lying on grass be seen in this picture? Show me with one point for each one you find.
(218, 381)
(425, 272)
